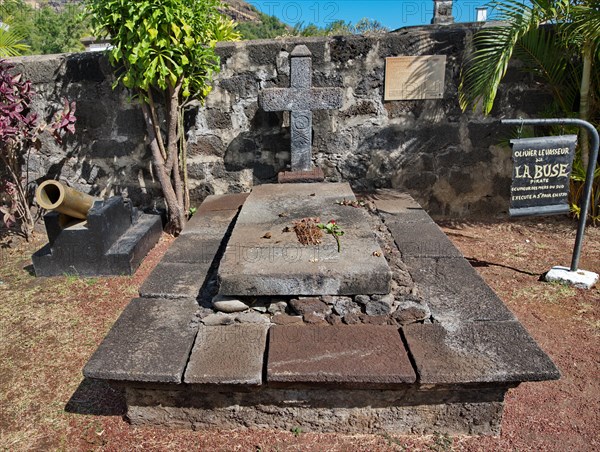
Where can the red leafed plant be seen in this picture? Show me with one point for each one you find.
(20, 131)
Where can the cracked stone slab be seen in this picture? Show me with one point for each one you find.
(175, 280)
(280, 265)
(455, 292)
(477, 352)
(150, 342)
(359, 354)
(231, 354)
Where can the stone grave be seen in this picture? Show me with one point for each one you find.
(437, 352)
(255, 318)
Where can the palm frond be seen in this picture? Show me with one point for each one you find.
(537, 50)
(11, 44)
(485, 67)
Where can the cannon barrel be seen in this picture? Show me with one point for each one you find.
(52, 195)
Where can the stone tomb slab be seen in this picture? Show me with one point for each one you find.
(228, 355)
(341, 355)
(280, 265)
(150, 342)
(477, 352)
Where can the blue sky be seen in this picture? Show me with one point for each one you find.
(391, 13)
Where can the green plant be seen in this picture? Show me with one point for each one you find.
(296, 431)
(20, 131)
(45, 29)
(558, 41)
(335, 230)
(165, 52)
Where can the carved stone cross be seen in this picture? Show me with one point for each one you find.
(300, 99)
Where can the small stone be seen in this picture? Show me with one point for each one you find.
(411, 311)
(262, 309)
(313, 318)
(344, 305)
(228, 304)
(362, 299)
(252, 317)
(277, 307)
(218, 319)
(310, 305)
(351, 319)
(380, 305)
(284, 319)
(329, 299)
(333, 319)
(375, 319)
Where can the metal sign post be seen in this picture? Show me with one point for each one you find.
(589, 179)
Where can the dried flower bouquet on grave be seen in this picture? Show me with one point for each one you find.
(308, 232)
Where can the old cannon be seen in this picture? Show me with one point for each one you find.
(92, 237)
(52, 195)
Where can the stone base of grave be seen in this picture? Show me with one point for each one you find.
(447, 372)
(473, 410)
(296, 177)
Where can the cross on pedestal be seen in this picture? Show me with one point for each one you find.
(300, 99)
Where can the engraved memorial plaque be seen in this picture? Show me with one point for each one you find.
(415, 77)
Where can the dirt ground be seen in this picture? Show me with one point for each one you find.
(49, 327)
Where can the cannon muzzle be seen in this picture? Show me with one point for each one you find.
(52, 195)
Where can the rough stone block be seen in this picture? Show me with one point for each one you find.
(295, 177)
(215, 203)
(395, 202)
(280, 265)
(343, 355)
(175, 280)
(192, 248)
(477, 352)
(422, 239)
(230, 354)
(150, 342)
(472, 411)
(210, 224)
(455, 292)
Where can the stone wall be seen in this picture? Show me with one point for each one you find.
(453, 163)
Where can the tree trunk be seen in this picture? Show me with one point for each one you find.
(584, 102)
(175, 211)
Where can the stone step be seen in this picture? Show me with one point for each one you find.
(150, 342)
(127, 253)
(228, 355)
(359, 356)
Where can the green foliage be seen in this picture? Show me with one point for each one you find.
(338, 28)
(11, 43)
(165, 50)
(269, 27)
(46, 30)
(160, 41)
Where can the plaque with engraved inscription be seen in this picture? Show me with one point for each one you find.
(541, 173)
(415, 77)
